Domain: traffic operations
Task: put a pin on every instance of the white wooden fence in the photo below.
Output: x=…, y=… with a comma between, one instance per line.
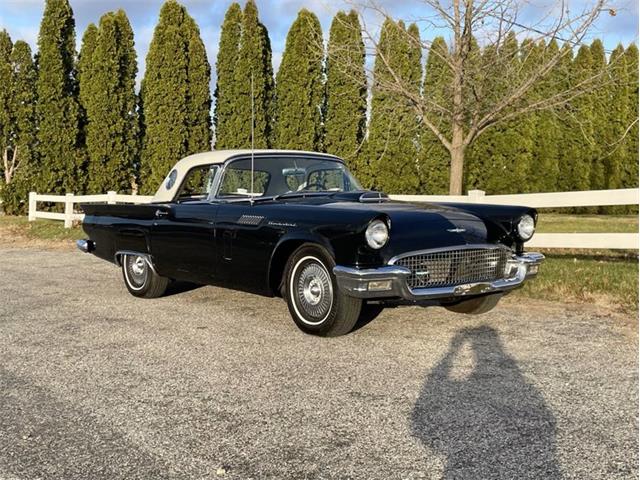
x=629, y=196
x=69, y=215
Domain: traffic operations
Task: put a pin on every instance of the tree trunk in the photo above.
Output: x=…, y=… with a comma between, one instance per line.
x=457, y=161
x=7, y=169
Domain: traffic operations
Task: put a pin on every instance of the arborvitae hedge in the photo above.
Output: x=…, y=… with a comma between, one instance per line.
x=434, y=157
x=391, y=146
x=630, y=168
x=228, y=50
x=346, y=90
x=174, y=96
x=299, y=87
x=547, y=140
x=107, y=87
x=589, y=143
x=62, y=158
x=5, y=90
x=254, y=60
x=22, y=105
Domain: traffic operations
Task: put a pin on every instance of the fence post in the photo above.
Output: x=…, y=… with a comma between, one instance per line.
x=68, y=210
x=32, y=206
x=111, y=197
x=476, y=196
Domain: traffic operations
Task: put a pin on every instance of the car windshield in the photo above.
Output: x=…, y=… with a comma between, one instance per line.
x=273, y=176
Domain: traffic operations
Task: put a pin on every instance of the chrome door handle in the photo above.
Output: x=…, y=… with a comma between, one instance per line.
x=161, y=213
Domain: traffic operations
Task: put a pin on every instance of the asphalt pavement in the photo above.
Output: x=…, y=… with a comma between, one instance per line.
x=211, y=383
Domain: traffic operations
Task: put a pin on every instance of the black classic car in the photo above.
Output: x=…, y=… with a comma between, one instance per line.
x=299, y=225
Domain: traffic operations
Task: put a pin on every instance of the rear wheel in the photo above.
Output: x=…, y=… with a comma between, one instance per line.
x=141, y=280
x=314, y=300
x=477, y=305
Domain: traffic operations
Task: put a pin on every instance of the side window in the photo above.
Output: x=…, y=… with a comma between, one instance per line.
x=198, y=183
x=237, y=180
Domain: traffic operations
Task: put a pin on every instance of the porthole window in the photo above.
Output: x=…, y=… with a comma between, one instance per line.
x=171, y=179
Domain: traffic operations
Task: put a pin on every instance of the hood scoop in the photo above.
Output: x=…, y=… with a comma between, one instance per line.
x=373, y=197
x=361, y=197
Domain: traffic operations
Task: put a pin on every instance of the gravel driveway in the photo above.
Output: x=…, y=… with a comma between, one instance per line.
x=209, y=383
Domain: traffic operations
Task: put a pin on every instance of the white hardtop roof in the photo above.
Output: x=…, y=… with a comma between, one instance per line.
x=221, y=156
x=215, y=156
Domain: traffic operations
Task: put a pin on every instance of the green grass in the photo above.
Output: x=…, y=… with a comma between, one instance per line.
x=604, y=277
x=560, y=223
x=40, y=229
x=610, y=279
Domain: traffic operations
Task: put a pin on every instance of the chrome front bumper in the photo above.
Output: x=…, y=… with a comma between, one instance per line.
x=372, y=283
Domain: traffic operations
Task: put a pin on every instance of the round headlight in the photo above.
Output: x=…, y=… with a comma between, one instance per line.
x=526, y=227
x=377, y=234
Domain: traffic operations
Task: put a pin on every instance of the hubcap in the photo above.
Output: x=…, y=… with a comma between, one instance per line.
x=137, y=269
x=138, y=266
x=314, y=291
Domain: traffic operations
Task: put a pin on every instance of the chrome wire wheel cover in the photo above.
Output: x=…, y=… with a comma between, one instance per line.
x=136, y=270
x=313, y=290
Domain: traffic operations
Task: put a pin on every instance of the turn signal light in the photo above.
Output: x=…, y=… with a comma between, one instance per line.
x=379, y=285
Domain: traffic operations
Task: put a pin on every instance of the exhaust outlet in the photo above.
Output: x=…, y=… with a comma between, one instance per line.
x=85, y=246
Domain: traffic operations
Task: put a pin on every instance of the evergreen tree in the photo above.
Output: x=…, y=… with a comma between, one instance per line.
x=107, y=91
x=299, y=87
x=578, y=146
x=570, y=145
x=616, y=128
x=503, y=154
x=84, y=62
x=225, y=81
x=346, y=90
x=600, y=106
x=62, y=161
x=629, y=172
x=434, y=157
x=198, y=92
x=391, y=146
x=20, y=152
x=547, y=130
x=254, y=61
x=173, y=95
x=5, y=91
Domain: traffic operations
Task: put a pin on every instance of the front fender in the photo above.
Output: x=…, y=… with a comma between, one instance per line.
x=285, y=246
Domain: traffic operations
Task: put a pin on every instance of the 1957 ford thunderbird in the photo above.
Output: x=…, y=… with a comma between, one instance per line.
x=303, y=228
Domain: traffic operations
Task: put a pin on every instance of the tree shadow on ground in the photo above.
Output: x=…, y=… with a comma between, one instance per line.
x=479, y=411
x=44, y=437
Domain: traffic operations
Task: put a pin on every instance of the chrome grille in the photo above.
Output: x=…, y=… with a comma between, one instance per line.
x=454, y=267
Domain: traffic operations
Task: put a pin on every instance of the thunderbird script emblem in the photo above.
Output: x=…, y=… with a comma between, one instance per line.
x=456, y=230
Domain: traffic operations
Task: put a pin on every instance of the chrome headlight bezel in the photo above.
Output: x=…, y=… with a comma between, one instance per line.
x=377, y=234
x=526, y=227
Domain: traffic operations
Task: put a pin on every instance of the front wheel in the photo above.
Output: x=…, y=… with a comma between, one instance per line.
x=477, y=305
x=314, y=300
x=141, y=280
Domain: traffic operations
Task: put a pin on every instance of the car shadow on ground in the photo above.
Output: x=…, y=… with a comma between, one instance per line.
x=478, y=410
x=176, y=287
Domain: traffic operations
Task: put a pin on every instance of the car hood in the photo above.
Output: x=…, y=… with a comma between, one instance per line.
x=424, y=225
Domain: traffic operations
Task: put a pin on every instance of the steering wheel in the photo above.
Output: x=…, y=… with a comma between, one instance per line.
x=318, y=185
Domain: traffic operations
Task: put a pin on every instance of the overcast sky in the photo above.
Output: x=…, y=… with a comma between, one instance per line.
x=21, y=18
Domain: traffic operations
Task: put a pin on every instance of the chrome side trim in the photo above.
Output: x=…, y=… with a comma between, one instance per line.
x=355, y=282
x=146, y=256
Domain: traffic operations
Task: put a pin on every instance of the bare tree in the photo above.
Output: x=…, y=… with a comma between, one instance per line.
x=485, y=90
